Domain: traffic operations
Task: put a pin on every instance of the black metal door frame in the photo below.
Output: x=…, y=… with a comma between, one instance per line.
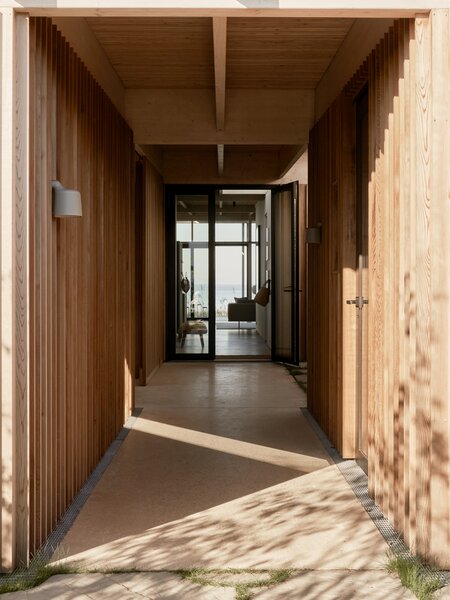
x=171, y=191
x=293, y=189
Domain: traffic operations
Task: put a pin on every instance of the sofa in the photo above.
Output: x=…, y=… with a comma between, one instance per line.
x=242, y=310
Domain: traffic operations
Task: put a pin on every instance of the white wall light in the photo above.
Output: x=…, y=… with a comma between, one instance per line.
x=66, y=203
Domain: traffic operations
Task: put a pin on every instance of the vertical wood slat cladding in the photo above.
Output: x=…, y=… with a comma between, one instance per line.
x=409, y=230
x=154, y=275
x=81, y=278
x=331, y=275
x=409, y=281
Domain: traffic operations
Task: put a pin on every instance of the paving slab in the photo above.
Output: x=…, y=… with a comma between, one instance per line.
x=308, y=585
x=338, y=585
x=126, y=586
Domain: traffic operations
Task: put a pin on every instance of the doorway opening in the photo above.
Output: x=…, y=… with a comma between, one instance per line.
x=242, y=266
x=222, y=245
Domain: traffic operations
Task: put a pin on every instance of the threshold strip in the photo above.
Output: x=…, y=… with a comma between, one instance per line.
x=359, y=482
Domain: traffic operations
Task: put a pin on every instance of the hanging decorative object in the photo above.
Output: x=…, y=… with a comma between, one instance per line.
x=185, y=285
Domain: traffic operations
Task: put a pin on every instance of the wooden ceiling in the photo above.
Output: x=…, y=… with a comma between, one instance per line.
x=177, y=53
x=158, y=53
x=281, y=53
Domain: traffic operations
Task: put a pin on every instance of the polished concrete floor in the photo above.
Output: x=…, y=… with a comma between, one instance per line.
x=222, y=470
x=229, y=342
x=240, y=342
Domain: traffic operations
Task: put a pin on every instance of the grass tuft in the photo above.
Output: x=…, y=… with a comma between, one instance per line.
x=243, y=592
x=26, y=578
x=217, y=578
x=420, y=579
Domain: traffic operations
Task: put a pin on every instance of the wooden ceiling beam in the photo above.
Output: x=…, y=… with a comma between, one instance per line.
x=220, y=62
x=220, y=158
x=266, y=117
x=288, y=156
x=226, y=8
x=199, y=165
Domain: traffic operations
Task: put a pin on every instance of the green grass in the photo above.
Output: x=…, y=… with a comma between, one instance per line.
x=420, y=579
x=215, y=578
x=24, y=579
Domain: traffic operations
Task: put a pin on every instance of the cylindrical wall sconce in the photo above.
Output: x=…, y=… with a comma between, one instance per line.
x=66, y=203
x=314, y=234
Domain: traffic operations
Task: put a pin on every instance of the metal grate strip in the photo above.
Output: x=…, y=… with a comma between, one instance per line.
x=359, y=483
x=67, y=520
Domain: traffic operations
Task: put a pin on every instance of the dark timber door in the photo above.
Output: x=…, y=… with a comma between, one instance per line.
x=284, y=269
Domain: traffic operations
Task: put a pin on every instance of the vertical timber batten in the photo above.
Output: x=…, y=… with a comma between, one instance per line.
x=14, y=289
x=81, y=277
x=409, y=282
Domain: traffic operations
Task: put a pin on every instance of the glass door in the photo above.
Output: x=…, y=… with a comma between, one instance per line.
x=285, y=292
x=240, y=321
x=194, y=320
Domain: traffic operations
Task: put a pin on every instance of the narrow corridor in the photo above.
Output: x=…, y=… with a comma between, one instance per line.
x=221, y=469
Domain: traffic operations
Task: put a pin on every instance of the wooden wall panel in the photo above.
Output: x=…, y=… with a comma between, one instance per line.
x=409, y=281
x=81, y=278
x=154, y=277
x=331, y=275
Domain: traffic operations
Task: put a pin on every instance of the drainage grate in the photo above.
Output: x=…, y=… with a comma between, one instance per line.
x=67, y=520
x=359, y=483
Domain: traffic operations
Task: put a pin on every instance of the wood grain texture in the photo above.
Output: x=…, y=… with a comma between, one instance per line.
x=409, y=296
x=281, y=53
x=176, y=53
x=220, y=65
x=331, y=324
x=21, y=299
x=154, y=302
x=7, y=243
x=158, y=53
x=81, y=278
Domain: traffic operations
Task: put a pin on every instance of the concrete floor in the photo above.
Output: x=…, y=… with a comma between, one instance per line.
x=222, y=470
x=229, y=342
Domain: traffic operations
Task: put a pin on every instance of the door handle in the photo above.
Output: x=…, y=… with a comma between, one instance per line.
x=359, y=302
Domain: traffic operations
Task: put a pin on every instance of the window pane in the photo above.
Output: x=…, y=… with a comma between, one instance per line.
x=192, y=264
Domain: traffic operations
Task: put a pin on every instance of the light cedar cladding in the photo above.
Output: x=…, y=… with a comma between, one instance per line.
x=409, y=279
x=154, y=278
x=409, y=302
x=81, y=277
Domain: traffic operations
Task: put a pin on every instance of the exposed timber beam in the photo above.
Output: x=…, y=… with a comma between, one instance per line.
x=226, y=8
x=249, y=166
x=220, y=158
x=220, y=61
x=154, y=154
x=281, y=117
x=288, y=156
